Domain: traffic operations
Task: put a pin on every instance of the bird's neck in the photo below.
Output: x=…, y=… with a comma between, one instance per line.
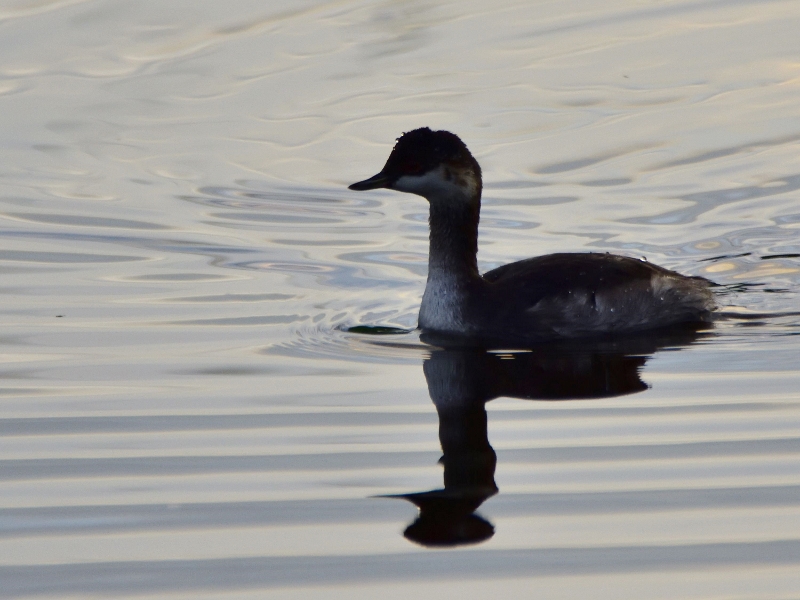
x=454, y=238
x=452, y=264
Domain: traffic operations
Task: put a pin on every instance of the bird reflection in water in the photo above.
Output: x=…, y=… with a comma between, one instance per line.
x=462, y=380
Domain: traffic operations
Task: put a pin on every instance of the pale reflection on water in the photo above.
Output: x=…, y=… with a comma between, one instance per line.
x=194, y=397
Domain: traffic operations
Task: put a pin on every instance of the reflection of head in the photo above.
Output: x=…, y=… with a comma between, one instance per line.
x=447, y=517
x=443, y=530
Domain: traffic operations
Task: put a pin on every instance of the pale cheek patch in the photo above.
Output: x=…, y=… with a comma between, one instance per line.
x=442, y=182
x=468, y=181
x=463, y=179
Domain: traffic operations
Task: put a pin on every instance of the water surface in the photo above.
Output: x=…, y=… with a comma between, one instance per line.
x=183, y=411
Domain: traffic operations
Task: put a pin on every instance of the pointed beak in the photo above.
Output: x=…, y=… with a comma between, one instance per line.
x=373, y=183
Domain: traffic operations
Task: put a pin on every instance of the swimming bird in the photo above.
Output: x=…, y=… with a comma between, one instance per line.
x=564, y=295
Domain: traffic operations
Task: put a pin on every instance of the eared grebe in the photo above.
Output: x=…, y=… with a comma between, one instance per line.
x=553, y=296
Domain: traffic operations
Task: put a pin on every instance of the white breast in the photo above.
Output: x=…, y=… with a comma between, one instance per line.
x=442, y=306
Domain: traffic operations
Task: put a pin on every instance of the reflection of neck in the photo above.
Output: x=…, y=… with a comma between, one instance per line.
x=468, y=458
x=454, y=237
x=456, y=386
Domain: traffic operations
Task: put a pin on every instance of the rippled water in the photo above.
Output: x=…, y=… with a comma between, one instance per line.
x=190, y=405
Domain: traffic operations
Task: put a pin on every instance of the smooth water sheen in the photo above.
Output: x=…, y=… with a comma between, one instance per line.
x=195, y=398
